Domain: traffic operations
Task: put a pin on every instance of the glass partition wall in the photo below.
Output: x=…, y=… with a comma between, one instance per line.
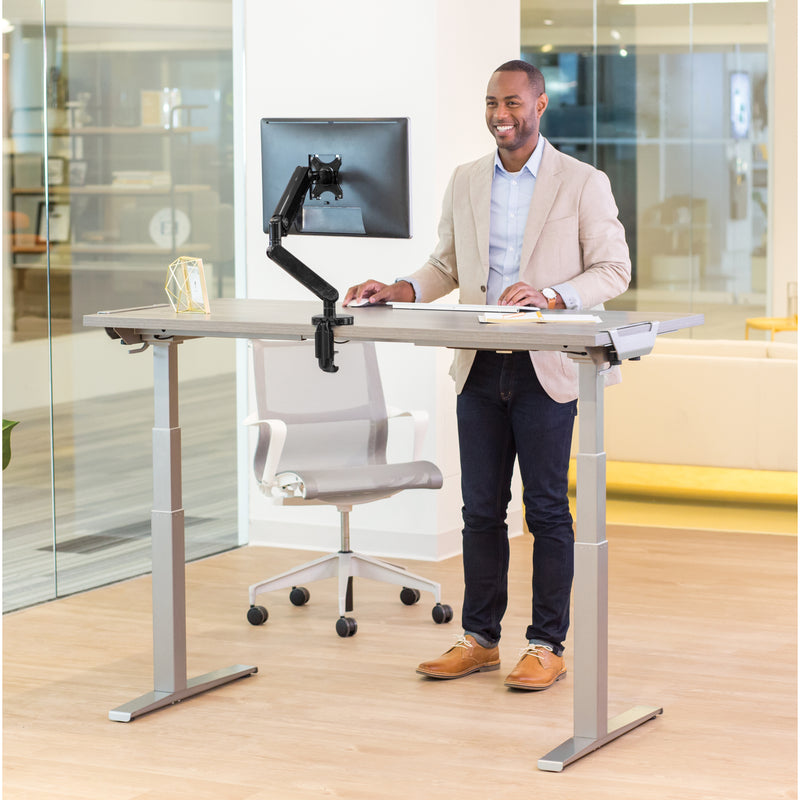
x=670, y=100
x=117, y=159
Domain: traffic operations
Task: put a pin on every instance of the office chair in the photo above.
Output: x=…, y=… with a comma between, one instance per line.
x=322, y=440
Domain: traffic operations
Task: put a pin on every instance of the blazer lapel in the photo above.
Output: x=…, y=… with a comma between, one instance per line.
x=544, y=193
x=480, y=195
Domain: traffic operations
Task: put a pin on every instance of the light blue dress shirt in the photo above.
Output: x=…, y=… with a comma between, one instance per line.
x=512, y=193
x=511, y=197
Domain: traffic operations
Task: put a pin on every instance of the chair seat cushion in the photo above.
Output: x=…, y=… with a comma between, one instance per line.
x=360, y=484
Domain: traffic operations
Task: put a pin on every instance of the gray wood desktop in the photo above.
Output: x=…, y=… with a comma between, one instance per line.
x=620, y=336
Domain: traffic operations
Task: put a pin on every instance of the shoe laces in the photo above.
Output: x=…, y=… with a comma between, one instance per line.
x=463, y=642
x=535, y=650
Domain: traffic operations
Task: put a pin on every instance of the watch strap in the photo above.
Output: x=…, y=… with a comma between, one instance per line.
x=551, y=296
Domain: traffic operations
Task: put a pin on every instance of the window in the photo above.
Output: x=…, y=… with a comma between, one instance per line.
x=672, y=105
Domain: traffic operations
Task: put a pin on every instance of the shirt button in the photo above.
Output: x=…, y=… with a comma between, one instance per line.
x=483, y=288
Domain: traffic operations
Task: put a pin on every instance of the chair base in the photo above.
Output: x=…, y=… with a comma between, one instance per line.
x=345, y=565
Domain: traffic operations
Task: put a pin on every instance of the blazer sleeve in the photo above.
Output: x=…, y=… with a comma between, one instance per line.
x=604, y=251
x=439, y=275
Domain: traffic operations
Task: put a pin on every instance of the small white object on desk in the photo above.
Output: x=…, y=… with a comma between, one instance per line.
x=505, y=310
x=538, y=317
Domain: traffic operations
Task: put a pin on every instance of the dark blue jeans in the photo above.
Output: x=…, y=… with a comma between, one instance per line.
x=504, y=413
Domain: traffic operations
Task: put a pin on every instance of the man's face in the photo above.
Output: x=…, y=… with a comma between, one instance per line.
x=513, y=111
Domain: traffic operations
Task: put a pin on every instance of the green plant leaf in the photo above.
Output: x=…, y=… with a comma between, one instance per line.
x=7, y=427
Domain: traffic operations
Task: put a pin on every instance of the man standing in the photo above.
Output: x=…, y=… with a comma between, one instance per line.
x=525, y=225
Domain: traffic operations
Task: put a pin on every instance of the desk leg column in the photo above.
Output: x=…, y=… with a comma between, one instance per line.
x=592, y=728
x=590, y=662
x=167, y=525
x=169, y=557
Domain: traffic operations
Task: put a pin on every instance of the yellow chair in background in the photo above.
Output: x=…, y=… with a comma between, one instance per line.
x=772, y=324
x=776, y=324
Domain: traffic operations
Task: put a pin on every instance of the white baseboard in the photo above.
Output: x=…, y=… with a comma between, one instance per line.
x=383, y=544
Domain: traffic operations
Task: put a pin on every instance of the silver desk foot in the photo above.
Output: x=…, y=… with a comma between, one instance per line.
x=155, y=700
x=579, y=746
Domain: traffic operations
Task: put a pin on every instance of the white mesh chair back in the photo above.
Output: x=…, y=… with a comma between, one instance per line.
x=336, y=419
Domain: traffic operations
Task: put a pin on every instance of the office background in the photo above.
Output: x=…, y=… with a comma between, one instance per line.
x=152, y=151
x=693, y=612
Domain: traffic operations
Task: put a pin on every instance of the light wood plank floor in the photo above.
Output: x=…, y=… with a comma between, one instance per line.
x=704, y=624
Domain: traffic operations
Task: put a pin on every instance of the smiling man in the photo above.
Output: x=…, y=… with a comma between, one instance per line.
x=524, y=225
x=515, y=102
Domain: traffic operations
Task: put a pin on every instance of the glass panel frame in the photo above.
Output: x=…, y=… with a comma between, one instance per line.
x=29, y=563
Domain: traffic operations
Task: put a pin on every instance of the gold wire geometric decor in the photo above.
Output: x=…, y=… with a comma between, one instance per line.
x=186, y=286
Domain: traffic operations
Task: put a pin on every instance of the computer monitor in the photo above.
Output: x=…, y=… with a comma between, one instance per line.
x=337, y=177
x=373, y=175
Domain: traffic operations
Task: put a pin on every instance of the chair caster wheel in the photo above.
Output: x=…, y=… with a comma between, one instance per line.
x=346, y=626
x=442, y=613
x=257, y=615
x=409, y=596
x=299, y=595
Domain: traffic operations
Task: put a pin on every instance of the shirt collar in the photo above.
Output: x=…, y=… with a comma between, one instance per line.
x=532, y=164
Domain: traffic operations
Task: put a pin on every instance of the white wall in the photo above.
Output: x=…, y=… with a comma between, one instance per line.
x=783, y=124
x=429, y=60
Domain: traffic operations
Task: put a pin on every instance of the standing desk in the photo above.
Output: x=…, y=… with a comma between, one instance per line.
x=620, y=336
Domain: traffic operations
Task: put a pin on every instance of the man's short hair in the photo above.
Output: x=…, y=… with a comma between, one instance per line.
x=534, y=75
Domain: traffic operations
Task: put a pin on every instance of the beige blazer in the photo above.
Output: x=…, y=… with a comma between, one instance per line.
x=572, y=234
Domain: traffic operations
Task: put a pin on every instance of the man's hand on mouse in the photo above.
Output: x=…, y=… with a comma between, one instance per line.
x=376, y=292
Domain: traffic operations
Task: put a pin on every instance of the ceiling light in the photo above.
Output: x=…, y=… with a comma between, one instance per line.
x=547, y=22
x=682, y=2
x=7, y=27
x=546, y=48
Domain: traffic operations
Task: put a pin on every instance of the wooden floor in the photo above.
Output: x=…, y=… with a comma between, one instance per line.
x=701, y=623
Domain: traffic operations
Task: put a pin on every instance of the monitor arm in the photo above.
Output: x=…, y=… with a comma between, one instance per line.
x=317, y=177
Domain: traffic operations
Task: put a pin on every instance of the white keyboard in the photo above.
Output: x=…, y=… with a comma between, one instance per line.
x=463, y=307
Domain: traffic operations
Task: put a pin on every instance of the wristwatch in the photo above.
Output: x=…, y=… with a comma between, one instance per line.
x=551, y=296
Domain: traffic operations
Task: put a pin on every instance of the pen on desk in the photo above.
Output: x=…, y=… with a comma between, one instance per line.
x=520, y=316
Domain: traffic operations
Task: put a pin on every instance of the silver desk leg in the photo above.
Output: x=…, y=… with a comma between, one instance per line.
x=169, y=579
x=592, y=727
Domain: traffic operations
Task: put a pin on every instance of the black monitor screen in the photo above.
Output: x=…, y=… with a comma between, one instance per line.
x=373, y=175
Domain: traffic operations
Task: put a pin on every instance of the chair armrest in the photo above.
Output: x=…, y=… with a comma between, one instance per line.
x=420, y=419
x=277, y=437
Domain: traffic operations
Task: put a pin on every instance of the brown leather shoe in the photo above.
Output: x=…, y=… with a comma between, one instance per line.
x=538, y=668
x=463, y=658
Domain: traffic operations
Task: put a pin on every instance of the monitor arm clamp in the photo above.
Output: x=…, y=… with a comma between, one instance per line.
x=316, y=178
